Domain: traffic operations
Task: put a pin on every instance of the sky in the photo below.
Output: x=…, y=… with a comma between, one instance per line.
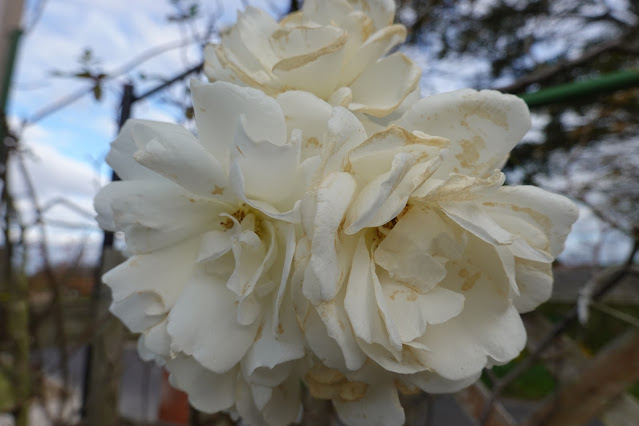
x=65, y=150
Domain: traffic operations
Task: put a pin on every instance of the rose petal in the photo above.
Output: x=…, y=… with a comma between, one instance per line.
x=139, y=311
x=288, y=231
x=173, y=152
x=460, y=187
x=203, y=324
x=269, y=170
x=246, y=406
x=298, y=46
x=253, y=257
x=155, y=342
x=415, y=250
x=489, y=328
x=146, y=212
x=371, y=50
x=332, y=199
x=284, y=407
x=208, y=392
x=434, y=383
x=309, y=113
x=379, y=407
x=376, y=153
x=474, y=218
x=382, y=12
x=362, y=304
x=120, y=156
x=214, y=69
x=325, y=12
x=254, y=26
x=533, y=213
x=218, y=107
x=534, y=280
x=482, y=126
x=411, y=310
x=345, y=132
x=373, y=97
x=271, y=349
x=317, y=76
x=163, y=273
x=328, y=336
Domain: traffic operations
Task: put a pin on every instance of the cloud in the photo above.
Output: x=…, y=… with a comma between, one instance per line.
x=64, y=189
x=592, y=242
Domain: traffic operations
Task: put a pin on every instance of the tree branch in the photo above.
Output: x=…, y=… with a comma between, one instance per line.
x=545, y=74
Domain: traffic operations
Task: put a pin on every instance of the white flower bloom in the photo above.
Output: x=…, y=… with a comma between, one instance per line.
x=211, y=222
x=334, y=49
x=416, y=261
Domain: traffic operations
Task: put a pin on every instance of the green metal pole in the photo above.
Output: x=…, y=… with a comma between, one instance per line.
x=18, y=306
x=606, y=83
x=14, y=38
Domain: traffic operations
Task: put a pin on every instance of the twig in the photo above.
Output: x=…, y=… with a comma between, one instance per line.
x=48, y=270
x=68, y=204
x=622, y=316
x=551, y=71
x=128, y=66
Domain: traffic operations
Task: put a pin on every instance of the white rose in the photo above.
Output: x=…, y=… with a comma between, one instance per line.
x=211, y=223
x=416, y=261
x=334, y=49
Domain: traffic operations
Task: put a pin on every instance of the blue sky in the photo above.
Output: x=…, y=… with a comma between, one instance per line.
x=67, y=148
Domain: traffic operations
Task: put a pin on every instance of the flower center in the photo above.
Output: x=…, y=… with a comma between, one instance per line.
x=244, y=215
x=382, y=231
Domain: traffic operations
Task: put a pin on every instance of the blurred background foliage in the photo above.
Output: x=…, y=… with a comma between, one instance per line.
x=586, y=147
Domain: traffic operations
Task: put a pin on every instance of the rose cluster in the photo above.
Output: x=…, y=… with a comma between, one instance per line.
x=327, y=228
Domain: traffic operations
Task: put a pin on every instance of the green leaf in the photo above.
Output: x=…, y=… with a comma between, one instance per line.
x=83, y=74
x=97, y=92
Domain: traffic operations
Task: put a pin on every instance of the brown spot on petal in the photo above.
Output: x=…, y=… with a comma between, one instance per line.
x=258, y=335
x=469, y=280
x=541, y=219
x=217, y=190
x=394, y=294
x=327, y=383
x=312, y=142
x=352, y=391
x=480, y=110
x=322, y=374
x=320, y=390
x=470, y=151
x=280, y=329
x=405, y=388
x=341, y=325
x=411, y=355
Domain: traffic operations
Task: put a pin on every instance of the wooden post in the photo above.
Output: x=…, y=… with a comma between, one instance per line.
x=104, y=355
x=611, y=372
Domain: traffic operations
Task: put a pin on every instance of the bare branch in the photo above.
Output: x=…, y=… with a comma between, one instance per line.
x=549, y=72
x=128, y=66
x=48, y=269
